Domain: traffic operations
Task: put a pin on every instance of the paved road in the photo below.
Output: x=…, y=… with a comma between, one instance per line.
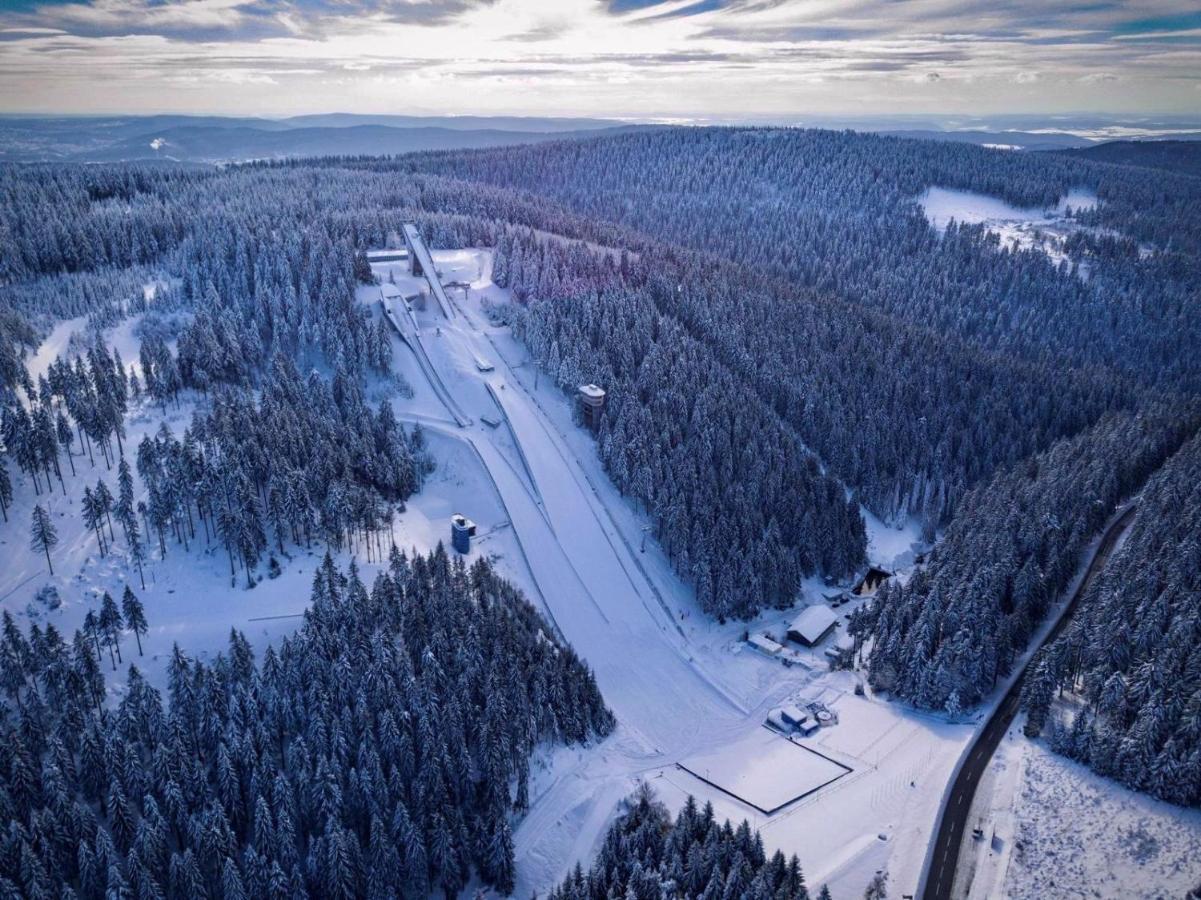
x=953, y=823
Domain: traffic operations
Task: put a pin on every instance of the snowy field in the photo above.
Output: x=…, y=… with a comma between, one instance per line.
x=1080, y=835
x=765, y=769
x=1017, y=227
x=1053, y=828
x=941, y=205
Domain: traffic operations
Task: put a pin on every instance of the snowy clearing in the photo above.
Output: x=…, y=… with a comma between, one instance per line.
x=1080, y=835
x=766, y=769
x=1018, y=227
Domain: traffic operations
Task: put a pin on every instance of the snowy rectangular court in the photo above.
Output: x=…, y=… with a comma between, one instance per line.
x=765, y=770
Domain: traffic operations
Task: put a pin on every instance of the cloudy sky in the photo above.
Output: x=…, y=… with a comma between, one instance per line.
x=686, y=59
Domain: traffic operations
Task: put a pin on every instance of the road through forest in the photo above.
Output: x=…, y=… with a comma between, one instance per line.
x=952, y=825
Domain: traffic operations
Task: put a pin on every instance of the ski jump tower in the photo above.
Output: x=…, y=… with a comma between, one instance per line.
x=421, y=264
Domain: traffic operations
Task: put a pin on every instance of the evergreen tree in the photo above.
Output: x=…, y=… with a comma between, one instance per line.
x=110, y=624
x=43, y=536
x=135, y=615
x=6, y=490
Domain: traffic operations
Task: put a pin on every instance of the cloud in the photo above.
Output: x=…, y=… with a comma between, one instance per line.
x=656, y=58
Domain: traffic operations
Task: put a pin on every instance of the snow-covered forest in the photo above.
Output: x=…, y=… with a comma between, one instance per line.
x=944, y=639
x=796, y=363
x=741, y=505
x=836, y=211
x=1130, y=662
x=646, y=855
x=377, y=753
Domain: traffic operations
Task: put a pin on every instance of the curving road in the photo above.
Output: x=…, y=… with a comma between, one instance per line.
x=953, y=820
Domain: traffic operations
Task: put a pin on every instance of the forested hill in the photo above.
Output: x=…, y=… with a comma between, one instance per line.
x=1131, y=660
x=646, y=854
x=836, y=211
x=1183, y=157
x=945, y=639
x=379, y=752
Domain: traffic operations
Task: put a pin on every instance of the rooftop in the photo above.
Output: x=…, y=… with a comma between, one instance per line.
x=813, y=621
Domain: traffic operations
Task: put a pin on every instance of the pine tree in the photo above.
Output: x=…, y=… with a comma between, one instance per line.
x=135, y=615
x=124, y=508
x=110, y=623
x=6, y=490
x=43, y=535
x=93, y=518
x=877, y=889
x=104, y=505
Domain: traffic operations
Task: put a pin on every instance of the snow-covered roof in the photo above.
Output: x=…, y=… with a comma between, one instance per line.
x=764, y=643
x=592, y=391
x=813, y=622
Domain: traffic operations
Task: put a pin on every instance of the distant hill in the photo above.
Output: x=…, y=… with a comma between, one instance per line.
x=1182, y=156
x=223, y=138
x=1008, y=140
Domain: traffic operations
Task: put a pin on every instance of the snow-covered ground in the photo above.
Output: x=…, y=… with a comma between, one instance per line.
x=1017, y=227
x=1055, y=829
x=189, y=596
x=766, y=769
x=891, y=547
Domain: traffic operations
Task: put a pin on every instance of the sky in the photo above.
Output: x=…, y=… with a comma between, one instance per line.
x=666, y=60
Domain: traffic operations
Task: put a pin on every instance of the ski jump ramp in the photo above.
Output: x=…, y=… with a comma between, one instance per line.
x=422, y=263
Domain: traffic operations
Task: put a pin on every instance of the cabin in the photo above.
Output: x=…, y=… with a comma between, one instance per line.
x=799, y=719
x=776, y=720
x=870, y=582
x=813, y=625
